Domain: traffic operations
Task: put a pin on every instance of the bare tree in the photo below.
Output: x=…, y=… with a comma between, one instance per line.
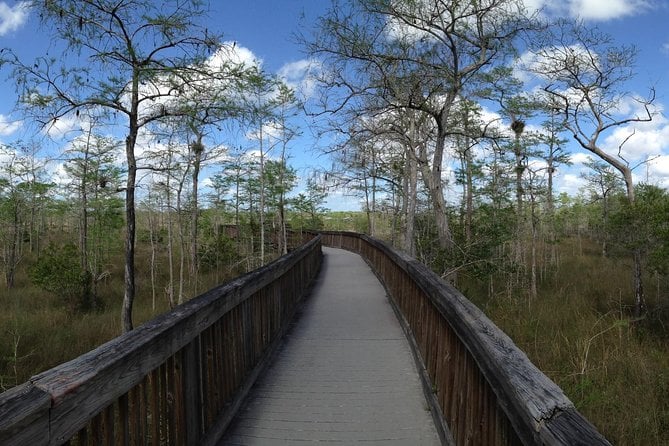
x=420, y=55
x=585, y=77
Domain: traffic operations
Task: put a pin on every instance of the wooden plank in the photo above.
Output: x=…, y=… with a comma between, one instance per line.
x=24, y=416
x=192, y=392
x=154, y=398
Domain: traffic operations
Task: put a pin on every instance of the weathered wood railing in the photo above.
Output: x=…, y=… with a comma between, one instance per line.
x=175, y=380
x=483, y=389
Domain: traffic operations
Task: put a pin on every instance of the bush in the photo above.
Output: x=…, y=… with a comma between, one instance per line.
x=59, y=271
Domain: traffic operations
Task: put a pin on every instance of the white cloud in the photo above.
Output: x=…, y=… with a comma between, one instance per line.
x=639, y=140
x=595, y=10
x=658, y=171
x=301, y=76
x=581, y=158
x=58, y=174
x=12, y=17
x=659, y=166
x=570, y=183
x=606, y=9
x=203, y=88
x=232, y=52
x=62, y=126
x=7, y=127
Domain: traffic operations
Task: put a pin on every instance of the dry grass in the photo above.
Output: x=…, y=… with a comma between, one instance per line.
x=579, y=333
x=38, y=332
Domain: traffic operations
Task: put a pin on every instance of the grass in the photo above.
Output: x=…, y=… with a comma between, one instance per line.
x=579, y=332
x=38, y=332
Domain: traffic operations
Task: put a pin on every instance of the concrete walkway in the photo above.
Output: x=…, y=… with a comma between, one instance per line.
x=344, y=374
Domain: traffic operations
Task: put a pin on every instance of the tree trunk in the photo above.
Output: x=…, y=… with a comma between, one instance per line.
x=262, y=200
x=129, y=277
x=198, y=151
x=433, y=183
x=131, y=140
x=183, y=248
x=170, y=244
x=411, y=197
x=519, y=201
x=12, y=253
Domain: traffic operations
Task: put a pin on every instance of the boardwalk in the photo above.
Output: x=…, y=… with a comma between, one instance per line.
x=344, y=374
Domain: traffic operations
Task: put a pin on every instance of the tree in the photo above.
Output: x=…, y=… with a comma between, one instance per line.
x=554, y=155
x=419, y=55
x=22, y=194
x=584, y=77
x=287, y=105
x=136, y=55
x=279, y=180
x=95, y=183
x=308, y=206
x=648, y=218
x=603, y=182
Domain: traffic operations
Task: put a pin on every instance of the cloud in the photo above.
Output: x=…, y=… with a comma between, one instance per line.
x=657, y=171
x=581, y=158
x=601, y=10
x=301, y=76
x=12, y=17
x=570, y=183
x=595, y=10
x=639, y=140
x=231, y=52
x=62, y=126
x=7, y=127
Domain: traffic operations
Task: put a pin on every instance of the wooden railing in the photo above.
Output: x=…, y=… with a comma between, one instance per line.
x=175, y=380
x=483, y=389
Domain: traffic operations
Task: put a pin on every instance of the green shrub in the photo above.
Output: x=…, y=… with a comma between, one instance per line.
x=58, y=271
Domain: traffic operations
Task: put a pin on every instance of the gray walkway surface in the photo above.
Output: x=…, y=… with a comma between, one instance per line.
x=344, y=374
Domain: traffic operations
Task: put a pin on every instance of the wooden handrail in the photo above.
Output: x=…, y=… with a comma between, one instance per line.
x=177, y=379
x=483, y=389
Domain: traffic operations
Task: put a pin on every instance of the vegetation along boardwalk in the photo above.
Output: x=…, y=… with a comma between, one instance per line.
x=344, y=373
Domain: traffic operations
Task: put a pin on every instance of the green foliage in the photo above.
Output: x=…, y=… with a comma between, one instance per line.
x=642, y=225
x=307, y=207
x=216, y=252
x=59, y=272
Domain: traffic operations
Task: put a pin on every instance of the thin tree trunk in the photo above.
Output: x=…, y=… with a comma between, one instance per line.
x=262, y=200
x=170, y=244
x=131, y=140
x=198, y=150
x=129, y=277
x=412, y=195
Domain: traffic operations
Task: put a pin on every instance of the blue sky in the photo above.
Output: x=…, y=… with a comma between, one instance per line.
x=263, y=30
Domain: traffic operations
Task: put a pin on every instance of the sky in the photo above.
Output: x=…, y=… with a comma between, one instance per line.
x=264, y=30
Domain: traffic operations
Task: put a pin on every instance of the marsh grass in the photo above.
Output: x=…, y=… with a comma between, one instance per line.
x=37, y=331
x=579, y=331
